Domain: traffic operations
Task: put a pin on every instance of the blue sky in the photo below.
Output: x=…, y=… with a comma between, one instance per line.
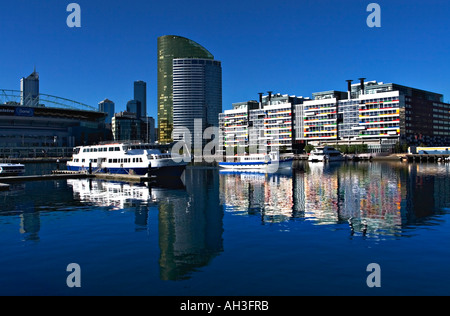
x=295, y=47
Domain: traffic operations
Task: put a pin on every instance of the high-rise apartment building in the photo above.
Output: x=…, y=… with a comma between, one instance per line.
x=172, y=47
x=197, y=97
x=259, y=127
x=375, y=113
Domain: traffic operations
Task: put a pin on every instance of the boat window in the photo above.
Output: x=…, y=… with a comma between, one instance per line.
x=114, y=160
x=111, y=149
x=82, y=160
x=140, y=159
x=116, y=148
x=110, y=160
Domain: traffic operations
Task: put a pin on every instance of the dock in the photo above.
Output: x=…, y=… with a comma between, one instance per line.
x=45, y=177
x=64, y=175
x=426, y=157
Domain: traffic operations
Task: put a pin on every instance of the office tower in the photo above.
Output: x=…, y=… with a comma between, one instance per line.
x=127, y=127
x=171, y=47
x=134, y=106
x=108, y=107
x=140, y=94
x=197, y=95
x=151, y=130
x=29, y=90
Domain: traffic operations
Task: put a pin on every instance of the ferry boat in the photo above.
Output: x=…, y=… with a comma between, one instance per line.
x=259, y=162
x=123, y=158
x=10, y=169
x=326, y=154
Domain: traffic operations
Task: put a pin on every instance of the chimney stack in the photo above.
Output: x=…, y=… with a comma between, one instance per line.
x=260, y=99
x=349, y=88
x=270, y=96
x=361, y=80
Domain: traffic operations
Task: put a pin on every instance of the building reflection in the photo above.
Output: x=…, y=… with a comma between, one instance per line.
x=189, y=219
x=190, y=226
x=267, y=195
x=379, y=198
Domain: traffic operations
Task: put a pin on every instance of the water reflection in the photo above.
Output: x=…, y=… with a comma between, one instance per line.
x=377, y=198
x=267, y=195
x=190, y=220
x=190, y=226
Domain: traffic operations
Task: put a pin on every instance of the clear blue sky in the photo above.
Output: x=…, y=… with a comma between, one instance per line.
x=296, y=47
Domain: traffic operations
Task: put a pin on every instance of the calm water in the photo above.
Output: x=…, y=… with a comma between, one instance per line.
x=310, y=232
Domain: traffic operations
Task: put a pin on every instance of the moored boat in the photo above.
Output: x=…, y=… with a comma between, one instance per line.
x=326, y=154
x=126, y=158
x=10, y=169
x=259, y=162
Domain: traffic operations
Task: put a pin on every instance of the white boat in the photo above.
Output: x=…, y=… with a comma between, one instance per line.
x=126, y=158
x=259, y=162
x=10, y=169
x=326, y=154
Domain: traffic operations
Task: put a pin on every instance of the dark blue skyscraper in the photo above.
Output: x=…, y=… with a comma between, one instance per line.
x=134, y=106
x=140, y=94
x=107, y=106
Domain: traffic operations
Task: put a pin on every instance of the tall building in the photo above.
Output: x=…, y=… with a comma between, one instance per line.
x=197, y=95
x=29, y=90
x=127, y=127
x=376, y=114
x=134, y=106
x=171, y=47
x=151, y=130
x=140, y=94
x=108, y=107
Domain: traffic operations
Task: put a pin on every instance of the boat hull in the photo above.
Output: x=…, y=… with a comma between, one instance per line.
x=165, y=171
x=9, y=170
x=325, y=158
x=258, y=166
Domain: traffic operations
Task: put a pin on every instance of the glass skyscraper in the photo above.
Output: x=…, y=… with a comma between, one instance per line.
x=172, y=47
x=108, y=107
x=140, y=94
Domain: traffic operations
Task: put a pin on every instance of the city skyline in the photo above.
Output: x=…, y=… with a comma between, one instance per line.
x=294, y=47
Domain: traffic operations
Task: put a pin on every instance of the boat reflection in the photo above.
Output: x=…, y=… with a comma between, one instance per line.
x=376, y=198
x=120, y=195
x=190, y=218
x=268, y=195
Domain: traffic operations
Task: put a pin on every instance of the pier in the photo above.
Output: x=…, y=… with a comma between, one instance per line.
x=64, y=174
x=426, y=157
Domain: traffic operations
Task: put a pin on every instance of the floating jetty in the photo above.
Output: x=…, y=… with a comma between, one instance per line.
x=64, y=174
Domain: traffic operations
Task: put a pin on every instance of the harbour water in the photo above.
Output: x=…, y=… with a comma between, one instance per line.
x=313, y=231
